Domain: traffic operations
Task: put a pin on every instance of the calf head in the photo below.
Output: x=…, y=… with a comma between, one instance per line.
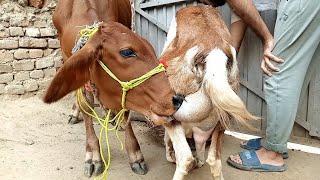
x=128, y=56
x=199, y=55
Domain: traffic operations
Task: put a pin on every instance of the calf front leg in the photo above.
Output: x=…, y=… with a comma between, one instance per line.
x=214, y=155
x=136, y=159
x=93, y=163
x=183, y=154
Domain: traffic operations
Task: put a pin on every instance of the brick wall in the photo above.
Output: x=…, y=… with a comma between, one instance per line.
x=29, y=49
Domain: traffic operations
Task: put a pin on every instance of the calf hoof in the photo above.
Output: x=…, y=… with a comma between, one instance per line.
x=98, y=168
x=95, y=168
x=73, y=119
x=139, y=168
x=88, y=169
x=114, y=123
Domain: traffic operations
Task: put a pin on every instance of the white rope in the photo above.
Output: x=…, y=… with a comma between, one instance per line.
x=294, y=146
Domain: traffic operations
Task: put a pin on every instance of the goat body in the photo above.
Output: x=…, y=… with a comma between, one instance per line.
x=202, y=67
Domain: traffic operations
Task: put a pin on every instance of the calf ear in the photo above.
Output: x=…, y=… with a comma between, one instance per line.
x=73, y=74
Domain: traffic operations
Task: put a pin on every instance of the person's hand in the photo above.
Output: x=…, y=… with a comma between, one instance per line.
x=266, y=65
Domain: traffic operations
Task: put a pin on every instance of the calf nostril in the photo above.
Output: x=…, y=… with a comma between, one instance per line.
x=177, y=101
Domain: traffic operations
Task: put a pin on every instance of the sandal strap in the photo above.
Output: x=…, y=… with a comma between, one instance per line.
x=254, y=143
x=249, y=158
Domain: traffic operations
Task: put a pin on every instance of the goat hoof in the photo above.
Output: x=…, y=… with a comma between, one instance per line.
x=88, y=169
x=73, y=119
x=139, y=168
x=218, y=177
x=199, y=164
x=98, y=168
x=171, y=157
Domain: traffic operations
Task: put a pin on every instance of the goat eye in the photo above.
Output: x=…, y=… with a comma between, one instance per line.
x=127, y=53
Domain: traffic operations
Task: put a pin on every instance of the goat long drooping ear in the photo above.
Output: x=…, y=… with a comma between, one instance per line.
x=72, y=75
x=233, y=76
x=226, y=102
x=234, y=68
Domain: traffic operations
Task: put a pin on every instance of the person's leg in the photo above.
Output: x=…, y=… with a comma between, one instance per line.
x=313, y=67
x=237, y=30
x=297, y=35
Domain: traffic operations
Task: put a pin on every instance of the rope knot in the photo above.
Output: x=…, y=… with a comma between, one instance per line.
x=126, y=86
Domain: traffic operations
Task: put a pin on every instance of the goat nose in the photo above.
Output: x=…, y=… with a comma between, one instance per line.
x=177, y=101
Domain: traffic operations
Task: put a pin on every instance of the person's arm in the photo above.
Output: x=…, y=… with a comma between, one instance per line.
x=247, y=11
x=237, y=30
x=249, y=14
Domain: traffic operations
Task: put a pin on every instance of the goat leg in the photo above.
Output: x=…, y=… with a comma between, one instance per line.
x=214, y=154
x=169, y=148
x=200, y=138
x=183, y=154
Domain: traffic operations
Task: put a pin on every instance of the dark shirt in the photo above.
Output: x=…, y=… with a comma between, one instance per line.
x=214, y=3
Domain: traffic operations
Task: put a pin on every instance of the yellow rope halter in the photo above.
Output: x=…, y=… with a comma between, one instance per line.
x=126, y=86
x=88, y=32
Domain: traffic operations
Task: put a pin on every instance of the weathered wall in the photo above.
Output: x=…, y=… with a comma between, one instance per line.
x=29, y=48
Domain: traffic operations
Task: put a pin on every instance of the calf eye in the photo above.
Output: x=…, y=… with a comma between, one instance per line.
x=127, y=53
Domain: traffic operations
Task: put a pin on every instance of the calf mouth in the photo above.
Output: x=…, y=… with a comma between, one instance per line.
x=160, y=119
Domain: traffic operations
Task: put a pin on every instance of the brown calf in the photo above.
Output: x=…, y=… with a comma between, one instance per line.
x=127, y=55
x=202, y=67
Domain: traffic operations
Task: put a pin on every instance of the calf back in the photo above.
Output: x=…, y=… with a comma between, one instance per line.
x=71, y=16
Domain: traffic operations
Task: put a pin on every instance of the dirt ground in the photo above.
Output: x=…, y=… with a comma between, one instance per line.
x=36, y=143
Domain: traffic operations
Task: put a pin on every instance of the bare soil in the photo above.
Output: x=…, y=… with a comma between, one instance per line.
x=36, y=143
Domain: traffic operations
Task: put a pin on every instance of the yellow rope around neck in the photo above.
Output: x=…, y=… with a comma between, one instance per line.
x=126, y=86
